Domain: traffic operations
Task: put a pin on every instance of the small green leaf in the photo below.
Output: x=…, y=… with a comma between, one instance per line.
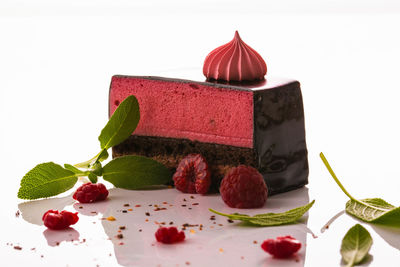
x=97, y=169
x=72, y=169
x=46, y=180
x=121, y=124
x=92, y=177
x=271, y=219
x=371, y=210
x=135, y=172
x=102, y=156
x=355, y=245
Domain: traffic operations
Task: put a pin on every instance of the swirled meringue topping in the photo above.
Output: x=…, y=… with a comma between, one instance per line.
x=234, y=61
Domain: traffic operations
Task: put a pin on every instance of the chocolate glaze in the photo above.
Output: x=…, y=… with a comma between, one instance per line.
x=279, y=151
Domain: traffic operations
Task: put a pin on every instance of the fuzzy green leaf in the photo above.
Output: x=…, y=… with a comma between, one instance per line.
x=121, y=124
x=371, y=210
x=271, y=219
x=135, y=172
x=46, y=180
x=355, y=245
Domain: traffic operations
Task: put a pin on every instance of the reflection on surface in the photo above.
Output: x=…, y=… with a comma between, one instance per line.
x=32, y=211
x=217, y=243
x=55, y=237
x=389, y=234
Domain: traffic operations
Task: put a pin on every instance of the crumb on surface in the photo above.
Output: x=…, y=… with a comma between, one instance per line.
x=111, y=218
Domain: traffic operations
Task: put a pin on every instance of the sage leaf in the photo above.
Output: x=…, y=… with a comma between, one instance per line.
x=92, y=177
x=121, y=124
x=135, y=172
x=355, y=245
x=371, y=210
x=270, y=219
x=46, y=180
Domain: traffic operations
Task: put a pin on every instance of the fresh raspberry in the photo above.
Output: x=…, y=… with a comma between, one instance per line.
x=282, y=247
x=53, y=219
x=192, y=175
x=243, y=187
x=89, y=192
x=169, y=235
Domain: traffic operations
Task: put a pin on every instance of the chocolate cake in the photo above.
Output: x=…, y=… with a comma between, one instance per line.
x=234, y=117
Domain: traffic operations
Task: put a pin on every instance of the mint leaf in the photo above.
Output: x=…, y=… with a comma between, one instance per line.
x=270, y=219
x=72, y=168
x=355, y=245
x=135, y=172
x=121, y=124
x=371, y=210
x=46, y=180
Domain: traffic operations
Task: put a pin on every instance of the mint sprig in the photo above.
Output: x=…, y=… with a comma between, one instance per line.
x=130, y=172
x=355, y=245
x=371, y=210
x=270, y=219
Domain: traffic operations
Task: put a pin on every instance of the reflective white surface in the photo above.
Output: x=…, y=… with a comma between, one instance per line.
x=56, y=61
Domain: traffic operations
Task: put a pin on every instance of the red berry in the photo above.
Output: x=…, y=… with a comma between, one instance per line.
x=282, y=247
x=192, y=175
x=169, y=235
x=89, y=192
x=243, y=187
x=53, y=219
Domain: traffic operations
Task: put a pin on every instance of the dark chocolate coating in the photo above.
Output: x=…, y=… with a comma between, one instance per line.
x=279, y=147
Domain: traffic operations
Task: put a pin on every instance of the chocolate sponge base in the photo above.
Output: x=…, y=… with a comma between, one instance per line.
x=170, y=151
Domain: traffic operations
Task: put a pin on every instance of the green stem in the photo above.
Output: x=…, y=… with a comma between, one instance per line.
x=231, y=216
x=334, y=177
x=86, y=164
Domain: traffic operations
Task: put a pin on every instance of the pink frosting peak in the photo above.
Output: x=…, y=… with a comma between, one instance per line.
x=234, y=61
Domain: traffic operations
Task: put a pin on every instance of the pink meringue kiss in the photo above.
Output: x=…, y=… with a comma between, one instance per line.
x=234, y=61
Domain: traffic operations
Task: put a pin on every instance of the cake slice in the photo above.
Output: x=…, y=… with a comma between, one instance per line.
x=260, y=124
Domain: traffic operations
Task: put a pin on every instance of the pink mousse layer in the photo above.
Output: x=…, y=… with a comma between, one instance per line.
x=178, y=109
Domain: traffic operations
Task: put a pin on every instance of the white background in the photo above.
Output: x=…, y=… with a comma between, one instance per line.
x=57, y=59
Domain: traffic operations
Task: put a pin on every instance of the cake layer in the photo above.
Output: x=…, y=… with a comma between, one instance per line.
x=194, y=111
x=221, y=158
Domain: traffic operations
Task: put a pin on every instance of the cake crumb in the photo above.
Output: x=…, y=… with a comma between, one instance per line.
x=120, y=236
x=192, y=197
x=130, y=209
x=126, y=205
x=230, y=221
x=17, y=213
x=255, y=242
x=147, y=213
x=195, y=204
x=122, y=227
x=187, y=263
x=17, y=248
x=138, y=206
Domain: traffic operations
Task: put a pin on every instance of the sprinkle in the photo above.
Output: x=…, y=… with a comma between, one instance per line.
x=126, y=205
x=147, y=220
x=137, y=206
x=230, y=221
x=120, y=236
x=17, y=247
x=195, y=204
x=122, y=228
x=130, y=209
x=192, y=231
x=183, y=205
x=187, y=263
x=221, y=250
x=110, y=218
x=255, y=242
x=165, y=202
x=124, y=211
x=121, y=243
x=192, y=197
x=17, y=214
x=171, y=223
x=147, y=213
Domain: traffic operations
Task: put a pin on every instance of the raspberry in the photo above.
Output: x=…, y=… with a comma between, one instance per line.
x=53, y=219
x=169, y=235
x=192, y=175
x=89, y=192
x=282, y=247
x=243, y=187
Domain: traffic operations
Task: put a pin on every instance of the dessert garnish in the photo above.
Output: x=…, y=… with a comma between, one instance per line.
x=243, y=187
x=88, y=193
x=169, y=235
x=270, y=219
x=55, y=220
x=355, y=245
x=371, y=210
x=234, y=61
x=282, y=247
x=192, y=175
x=129, y=172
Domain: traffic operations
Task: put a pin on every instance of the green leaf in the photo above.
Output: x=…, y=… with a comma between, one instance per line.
x=121, y=124
x=355, y=245
x=371, y=210
x=92, y=177
x=270, y=219
x=46, y=180
x=135, y=172
x=97, y=169
x=72, y=168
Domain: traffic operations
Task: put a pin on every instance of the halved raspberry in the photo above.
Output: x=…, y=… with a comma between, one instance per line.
x=282, y=247
x=192, y=175
x=89, y=192
x=53, y=219
x=243, y=187
x=169, y=235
